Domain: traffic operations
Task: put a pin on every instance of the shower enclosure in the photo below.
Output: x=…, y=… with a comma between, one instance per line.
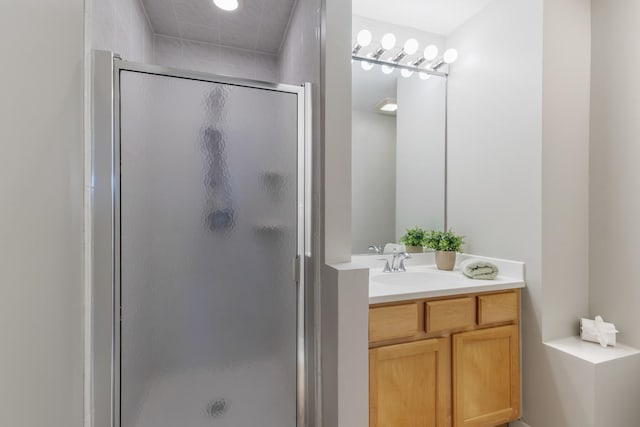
x=199, y=220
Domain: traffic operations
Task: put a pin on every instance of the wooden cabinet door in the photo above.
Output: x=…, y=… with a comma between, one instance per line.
x=486, y=377
x=409, y=384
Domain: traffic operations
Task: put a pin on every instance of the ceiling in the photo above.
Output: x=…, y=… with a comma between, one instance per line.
x=258, y=25
x=435, y=16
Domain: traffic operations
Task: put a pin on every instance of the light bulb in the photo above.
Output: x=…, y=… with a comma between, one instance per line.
x=430, y=52
x=388, y=41
x=364, y=38
x=406, y=73
x=424, y=76
x=387, y=69
x=226, y=4
x=366, y=65
x=411, y=46
x=450, y=56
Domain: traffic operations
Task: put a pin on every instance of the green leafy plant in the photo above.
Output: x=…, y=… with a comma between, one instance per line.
x=414, y=237
x=443, y=241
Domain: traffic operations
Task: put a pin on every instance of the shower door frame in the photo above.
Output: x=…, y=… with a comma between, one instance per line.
x=104, y=324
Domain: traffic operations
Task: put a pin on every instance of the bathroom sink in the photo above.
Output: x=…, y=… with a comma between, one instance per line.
x=423, y=279
x=418, y=278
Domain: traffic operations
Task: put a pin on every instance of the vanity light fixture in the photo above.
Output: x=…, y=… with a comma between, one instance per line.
x=388, y=42
x=410, y=47
x=387, y=69
x=425, y=65
x=406, y=73
x=430, y=52
x=227, y=5
x=362, y=40
x=450, y=56
x=366, y=65
x=387, y=106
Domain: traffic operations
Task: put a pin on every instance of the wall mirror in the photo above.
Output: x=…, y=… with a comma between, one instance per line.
x=398, y=149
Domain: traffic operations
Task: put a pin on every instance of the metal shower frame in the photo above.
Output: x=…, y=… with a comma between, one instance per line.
x=104, y=322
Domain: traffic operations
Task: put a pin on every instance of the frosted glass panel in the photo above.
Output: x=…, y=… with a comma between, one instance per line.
x=208, y=239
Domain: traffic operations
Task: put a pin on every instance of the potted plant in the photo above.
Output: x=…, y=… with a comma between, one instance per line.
x=446, y=244
x=414, y=239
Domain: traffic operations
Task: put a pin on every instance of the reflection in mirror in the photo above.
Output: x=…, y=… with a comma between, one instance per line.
x=398, y=153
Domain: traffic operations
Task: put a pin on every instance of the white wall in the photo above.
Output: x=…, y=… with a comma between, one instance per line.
x=565, y=166
x=41, y=128
x=615, y=200
x=122, y=26
x=373, y=179
x=336, y=136
x=344, y=357
x=214, y=59
x=420, y=155
x=522, y=191
x=494, y=157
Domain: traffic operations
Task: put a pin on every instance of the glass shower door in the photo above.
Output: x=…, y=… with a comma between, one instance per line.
x=208, y=237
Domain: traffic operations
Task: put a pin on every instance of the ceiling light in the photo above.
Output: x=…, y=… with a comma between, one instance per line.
x=450, y=56
x=364, y=38
x=366, y=65
x=387, y=69
x=227, y=4
x=388, y=41
x=430, y=52
x=406, y=73
x=411, y=46
x=387, y=106
x=424, y=76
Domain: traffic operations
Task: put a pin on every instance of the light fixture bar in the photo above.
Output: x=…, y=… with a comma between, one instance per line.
x=418, y=62
x=398, y=56
x=378, y=53
x=376, y=61
x=436, y=64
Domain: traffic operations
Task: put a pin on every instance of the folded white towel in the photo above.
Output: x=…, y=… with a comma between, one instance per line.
x=478, y=269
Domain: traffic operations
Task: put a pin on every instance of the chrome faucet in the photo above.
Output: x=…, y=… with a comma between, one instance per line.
x=397, y=263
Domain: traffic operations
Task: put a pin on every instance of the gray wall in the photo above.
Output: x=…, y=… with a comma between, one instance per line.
x=123, y=27
x=214, y=59
x=41, y=125
x=615, y=174
x=373, y=179
x=565, y=166
x=518, y=176
x=494, y=157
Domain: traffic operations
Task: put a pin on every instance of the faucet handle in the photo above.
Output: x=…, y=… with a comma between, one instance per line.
x=403, y=256
x=387, y=267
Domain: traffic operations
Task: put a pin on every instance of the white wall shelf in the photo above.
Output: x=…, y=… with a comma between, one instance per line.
x=591, y=352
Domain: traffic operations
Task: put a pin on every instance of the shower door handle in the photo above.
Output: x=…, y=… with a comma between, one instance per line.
x=296, y=269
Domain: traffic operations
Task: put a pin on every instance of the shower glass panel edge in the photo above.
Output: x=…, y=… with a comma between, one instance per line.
x=106, y=309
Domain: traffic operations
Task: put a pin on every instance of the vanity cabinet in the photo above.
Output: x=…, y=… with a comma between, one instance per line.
x=409, y=384
x=445, y=362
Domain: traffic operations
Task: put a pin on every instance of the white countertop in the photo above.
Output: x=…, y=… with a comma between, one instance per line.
x=423, y=280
